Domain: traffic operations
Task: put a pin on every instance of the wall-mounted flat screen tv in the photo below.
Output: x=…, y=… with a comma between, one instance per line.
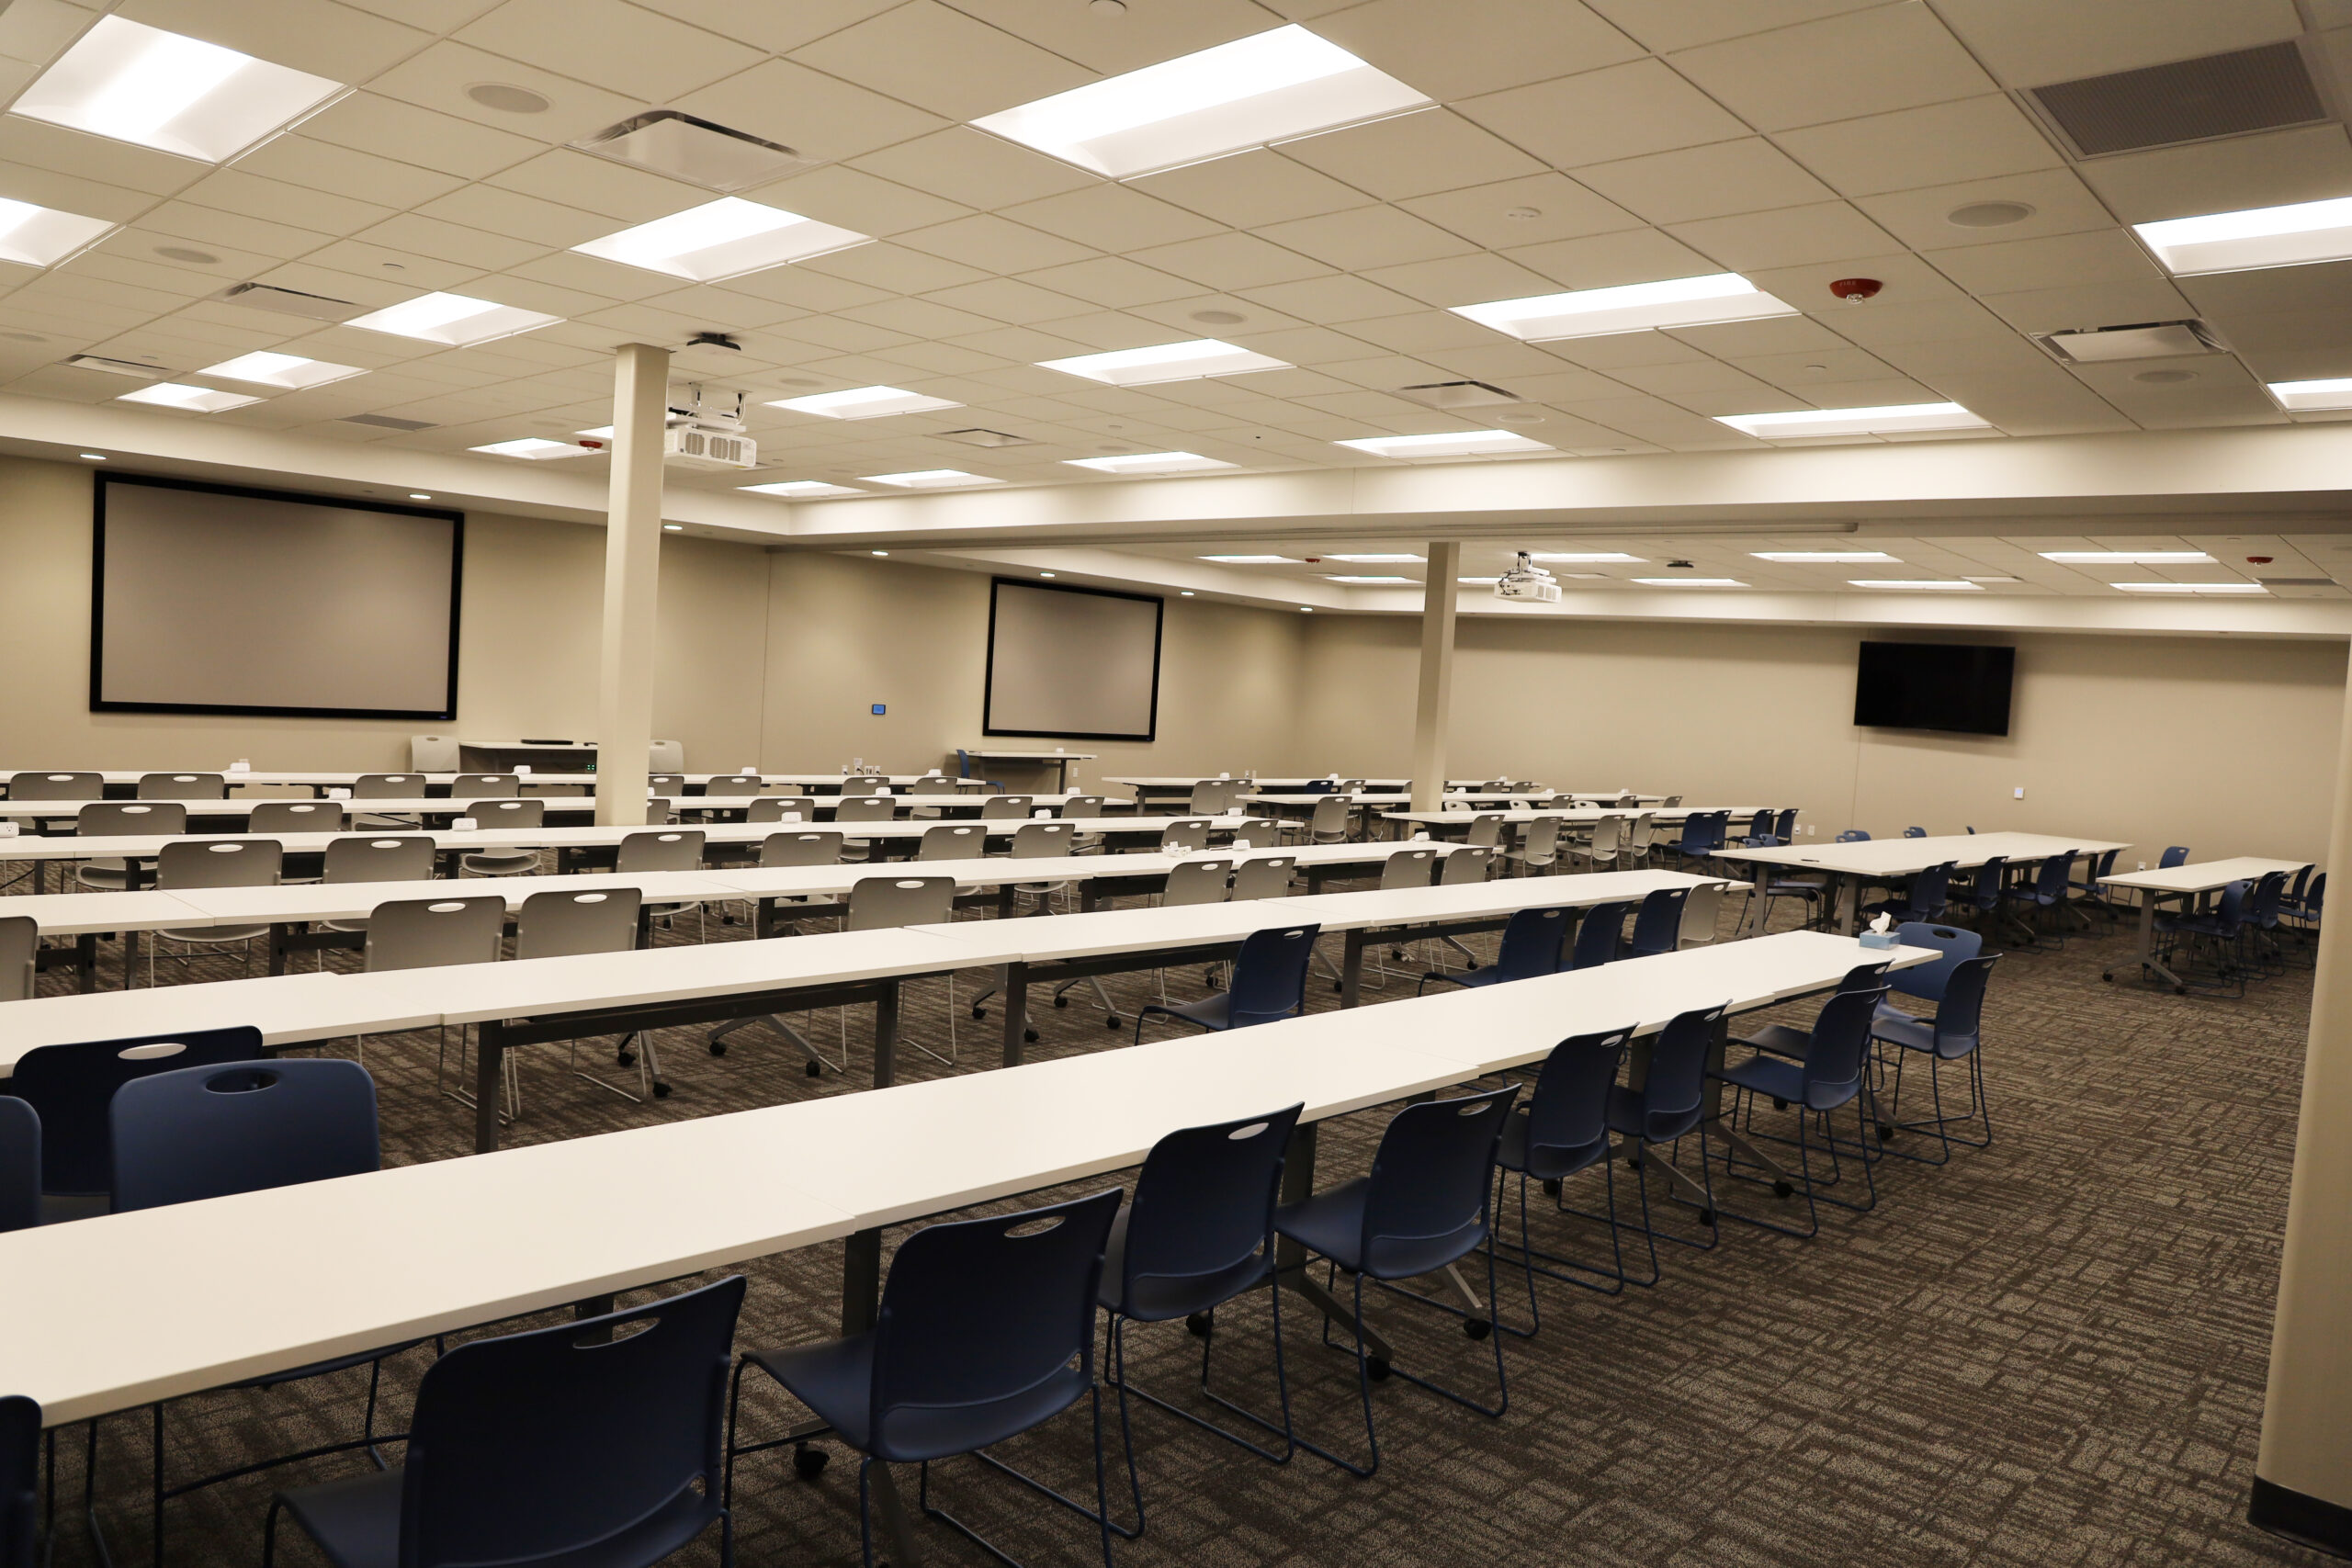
x=1960, y=688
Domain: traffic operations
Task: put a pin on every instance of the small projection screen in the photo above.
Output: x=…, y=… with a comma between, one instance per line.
x=1072, y=663
x=212, y=599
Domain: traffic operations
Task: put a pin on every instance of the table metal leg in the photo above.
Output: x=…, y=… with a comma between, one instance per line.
x=861, y=1307
x=85, y=963
x=886, y=1035
x=1351, y=969
x=1016, y=1002
x=2146, y=957
x=1846, y=891
x=490, y=1065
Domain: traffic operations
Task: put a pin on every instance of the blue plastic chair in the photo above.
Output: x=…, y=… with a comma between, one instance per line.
x=20, y=1205
x=2094, y=895
x=1915, y=832
x=1199, y=1233
x=1701, y=836
x=1598, y=935
x=1426, y=1205
x=1562, y=1129
x=571, y=1446
x=197, y=1132
x=1531, y=946
x=20, y=1481
x=1670, y=1105
x=986, y=1330
x=1924, y=900
x=1787, y=1039
x=1827, y=1079
x=1658, y=925
x=2222, y=928
x=1981, y=894
x=1269, y=983
x=2176, y=856
x=964, y=770
x=1785, y=830
x=1853, y=836
x=72, y=1086
x=1759, y=834
x=1953, y=1032
x=2046, y=893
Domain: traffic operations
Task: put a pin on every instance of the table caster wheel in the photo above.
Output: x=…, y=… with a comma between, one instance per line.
x=1887, y=1134
x=814, y=1069
x=2108, y=976
x=626, y=1058
x=1199, y=1323
x=661, y=1092
x=1551, y=1189
x=1112, y=1021
x=1707, y=1218
x=1338, y=986
x=1778, y=1104
x=1030, y=1036
x=1476, y=1327
x=2180, y=990
x=718, y=1047
x=1782, y=1189
x=979, y=1011
x=1378, y=1367
x=1061, y=1001
x=809, y=1463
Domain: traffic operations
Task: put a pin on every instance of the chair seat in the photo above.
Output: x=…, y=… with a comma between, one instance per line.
x=1160, y=1297
x=835, y=1379
x=1779, y=1040
x=1767, y=1074
x=1911, y=1032
x=1214, y=1011
x=1487, y=976
x=485, y=862
x=1549, y=1163
x=1331, y=1223
x=214, y=935
x=105, y=878
x=357, y=1523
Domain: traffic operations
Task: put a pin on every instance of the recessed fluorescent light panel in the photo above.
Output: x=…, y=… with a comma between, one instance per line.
x=2129, y=557
x=1587, y=556
x=454, y=320
x=1688, y=582
x=863, y=402
x=1165, y=362
x=1448, y=444
x=1150, y=463
x=1898, y=419
x=1328, y=577
x=2190, y=587
x=800, y=490
x=1374, y=561
x=931, y=478
x=1917, y=584
x=2258, y=237
x=138, y=83
x=722, y=238
x=1254, y=560
x=1821, y=558
x=1269, y=87
x=1477, y=582
x=288, y=372
x=194, y=400
x=1633, y=308
x=536, y=448
x=40, y=236
x=2330, y=394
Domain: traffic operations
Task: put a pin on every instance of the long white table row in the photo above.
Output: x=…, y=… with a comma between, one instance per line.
x=1845, y=869
x=2186, y=884
x=331, y=778
x=446, y=805
x=270, y=1281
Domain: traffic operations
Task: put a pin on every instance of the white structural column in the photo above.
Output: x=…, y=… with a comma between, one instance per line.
x=632, y=585
x=2302, y=1483
x=1435, y=712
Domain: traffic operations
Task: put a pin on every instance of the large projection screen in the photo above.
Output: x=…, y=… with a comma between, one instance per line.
x=1072, y=663
x=212, y=599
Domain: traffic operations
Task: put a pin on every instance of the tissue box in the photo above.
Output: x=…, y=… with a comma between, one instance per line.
x=1878, y=938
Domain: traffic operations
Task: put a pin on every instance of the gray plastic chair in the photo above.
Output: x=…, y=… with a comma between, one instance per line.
x=1045, y=839
x=183, y=786
x=19, y=954
x=819, y=846
x=1083, y=805
x=676, y=783
x=1197, y=882
x=999, y=807
x=1469, y=863
x=1186, y=836
x=429, y=933
x=953, y=840
x=1256, y=832
x=1410, y=868
x=214, y=862
x=1607, y=843
x=1539, y=846
x=1332, y=822
x=1637, y=845
x=863, y=784
x=879, y=903
x=1699, y=914
x=37, y=786
x=378, y=857
x=507, y=814
x=776, y=807
x=1263, y=877
x=558, y=924
x=297, y=816
x=664, y=848
x=116, y=819
x=1486, y=831
x=387, y=786
x=866, y=808
x=473, y=786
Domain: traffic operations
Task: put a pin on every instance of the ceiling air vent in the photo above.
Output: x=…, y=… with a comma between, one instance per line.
x=387, y=421
x=1458, y=394
x=2189, y=100
x=115, y=366
x=288, y=301
x=685, y=148
x=976, y=437
x=2141, y=340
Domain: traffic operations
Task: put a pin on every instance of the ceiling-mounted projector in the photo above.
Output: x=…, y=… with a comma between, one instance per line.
x=1527, y=583
x=697, y=435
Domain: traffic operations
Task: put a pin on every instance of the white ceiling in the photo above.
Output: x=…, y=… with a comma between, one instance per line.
x=1795, y=141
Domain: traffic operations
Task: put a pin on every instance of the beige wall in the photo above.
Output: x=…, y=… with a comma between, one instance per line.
x=2226, y=745
x=527, y=649
x=846, y=633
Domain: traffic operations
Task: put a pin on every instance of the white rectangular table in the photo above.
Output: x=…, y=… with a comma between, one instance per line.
x=1846, y=867
x=2186, y=884
x=1056, y=759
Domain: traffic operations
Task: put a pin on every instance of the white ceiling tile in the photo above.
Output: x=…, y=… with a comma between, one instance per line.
x=1461, y=280
x=1623, y=111
x=1413, y=154
x=1881, y=324
x=2104, y=255
x=852, y=199
x=1790, y=236
x=2076, y=307
x=620, y=47
x=1112, y=280
x=817, y=114
x=1456, y=52
x=921, y=319
x=1365, y=237
x=1891, y=57
x=409, y=233
x=234, y=190
x=72, y=193
x=1624, y=350
x=1796, y=336
x=939, y=59
x=390, y=128
x=1713, y=181
x=2319, y=293
x=2310, y=163
x=1110, y=217
x=994, y=244
x=40, y=30
x=438, y=78
x=1667, y=24
x=518, y=217
x=1937, y=144
x=591, y=274
x=1816, y=368
x=779, y=29
x=888, y=266
x=1008, y=300
x=1231, y=261
x=323, y=166
x=1251, y=188
x=808, y=290
x=1523, y=211
x=317, y=35
x=1301, y=345
x=974, y=168
x=2027, y=43
x=1907, y=281
x=1329, y=299
x=1142, y=35
x=1604, y=261
x=1108, y=330
x=1921, y=219
x=1423, y=332
x=118, y=164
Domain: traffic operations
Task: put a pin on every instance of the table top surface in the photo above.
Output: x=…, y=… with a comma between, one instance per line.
x=1570, y=813
x=2203, y=876
x=1901, y=857
x=1056, y=755
x=346, y=776
x=1385, y=798
x=270, y=1281
x=240, y=806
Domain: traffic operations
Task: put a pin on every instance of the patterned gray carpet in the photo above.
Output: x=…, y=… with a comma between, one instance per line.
x=2048, y=1352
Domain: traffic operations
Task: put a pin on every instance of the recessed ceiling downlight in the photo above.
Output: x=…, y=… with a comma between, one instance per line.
x=1989, y=214
x=507, y=98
